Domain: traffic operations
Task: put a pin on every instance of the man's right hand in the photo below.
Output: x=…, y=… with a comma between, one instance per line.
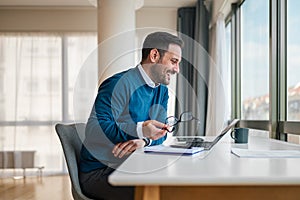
x=154, y=129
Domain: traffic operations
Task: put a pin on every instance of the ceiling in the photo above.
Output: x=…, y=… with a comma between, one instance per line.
x=87, y=3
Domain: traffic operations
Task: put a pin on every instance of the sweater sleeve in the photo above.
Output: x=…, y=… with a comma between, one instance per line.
x=108, y=113
x=121, y=103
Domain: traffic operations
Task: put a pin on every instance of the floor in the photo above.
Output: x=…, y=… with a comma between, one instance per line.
x=34, y=188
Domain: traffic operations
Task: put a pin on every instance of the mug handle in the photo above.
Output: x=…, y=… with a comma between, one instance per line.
x=231, y=134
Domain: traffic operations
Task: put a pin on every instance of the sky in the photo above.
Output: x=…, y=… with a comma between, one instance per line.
x=255, y=46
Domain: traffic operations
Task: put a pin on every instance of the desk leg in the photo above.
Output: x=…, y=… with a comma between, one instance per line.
x=147, y=192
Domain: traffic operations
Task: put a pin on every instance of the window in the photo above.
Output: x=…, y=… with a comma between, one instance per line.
x=265, y=45
x=34, y=67
x=255, y=60
x=293, y=60
x=228, y=56
x=78, y=49
x=28, y=74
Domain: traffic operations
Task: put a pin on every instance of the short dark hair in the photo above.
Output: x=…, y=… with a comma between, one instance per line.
x=159, y=41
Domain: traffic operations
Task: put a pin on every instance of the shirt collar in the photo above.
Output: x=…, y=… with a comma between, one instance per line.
x=146, y=78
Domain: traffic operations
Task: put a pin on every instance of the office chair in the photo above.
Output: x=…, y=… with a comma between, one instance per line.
x=71, y=137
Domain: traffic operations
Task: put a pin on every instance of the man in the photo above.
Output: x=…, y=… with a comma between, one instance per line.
x=128, y=113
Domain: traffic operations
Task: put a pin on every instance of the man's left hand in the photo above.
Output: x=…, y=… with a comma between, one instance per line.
x=125, y=148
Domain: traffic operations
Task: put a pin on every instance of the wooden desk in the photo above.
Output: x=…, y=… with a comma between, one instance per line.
x=219, y=175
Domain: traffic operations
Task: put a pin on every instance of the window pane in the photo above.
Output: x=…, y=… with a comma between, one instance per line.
x=31, y=90
x=228, y=56
x=30, y=71
x=255, y=60
x=79, y=47
x=293, y=60
x=41, y=139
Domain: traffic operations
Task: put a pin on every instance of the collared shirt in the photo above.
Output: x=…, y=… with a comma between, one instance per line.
x=146, y=78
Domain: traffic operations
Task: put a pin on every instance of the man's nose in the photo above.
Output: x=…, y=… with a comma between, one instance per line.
x=176, y=69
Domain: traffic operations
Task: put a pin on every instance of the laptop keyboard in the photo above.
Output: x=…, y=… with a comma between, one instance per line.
x=188, y=145
x=199, y=144
x=189, y=139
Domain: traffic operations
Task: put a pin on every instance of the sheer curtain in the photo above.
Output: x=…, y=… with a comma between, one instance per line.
x=31, y=92
x=217, y=109
x=32, y=71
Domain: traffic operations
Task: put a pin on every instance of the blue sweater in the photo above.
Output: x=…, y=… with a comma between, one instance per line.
x=122, y=100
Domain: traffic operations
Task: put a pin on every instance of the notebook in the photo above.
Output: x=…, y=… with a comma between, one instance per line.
x=171, y=150
x=207, y=145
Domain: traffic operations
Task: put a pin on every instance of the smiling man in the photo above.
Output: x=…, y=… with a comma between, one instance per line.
x=128, y=113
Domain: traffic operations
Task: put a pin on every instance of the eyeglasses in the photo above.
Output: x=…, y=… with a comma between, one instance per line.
x=172, y=121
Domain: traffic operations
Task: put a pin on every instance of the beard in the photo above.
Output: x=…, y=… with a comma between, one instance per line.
x=160, y=74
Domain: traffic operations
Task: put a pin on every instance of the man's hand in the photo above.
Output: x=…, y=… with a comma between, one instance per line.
x=125, y=148
x=154, y=129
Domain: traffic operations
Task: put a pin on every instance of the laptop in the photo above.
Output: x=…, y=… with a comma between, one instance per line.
x=207, y=145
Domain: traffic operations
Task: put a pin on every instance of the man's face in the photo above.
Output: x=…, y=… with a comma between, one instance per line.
x=167, y=65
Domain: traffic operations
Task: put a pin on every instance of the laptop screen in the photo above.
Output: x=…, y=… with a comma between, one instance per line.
x=226, y=129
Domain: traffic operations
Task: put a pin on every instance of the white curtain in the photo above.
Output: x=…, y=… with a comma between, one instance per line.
x=31, y=89
x=217, y=88
x=31, y=71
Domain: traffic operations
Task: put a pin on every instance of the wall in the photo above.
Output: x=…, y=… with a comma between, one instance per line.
x=164, y=18
x=48, y=19
x=77, y=19
x=157, y=17
x=85, y=19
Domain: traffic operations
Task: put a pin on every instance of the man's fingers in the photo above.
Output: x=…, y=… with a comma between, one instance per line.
x=117, y=151
x=119, y=147
x=154, y=129
x=158, y=124
x=124, y=148
x=159, y=134
x=116, y=147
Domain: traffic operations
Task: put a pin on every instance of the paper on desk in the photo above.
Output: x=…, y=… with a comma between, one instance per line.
x=171, y=150
x=246, y=153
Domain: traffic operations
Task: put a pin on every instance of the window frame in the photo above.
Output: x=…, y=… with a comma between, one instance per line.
x=277, y=125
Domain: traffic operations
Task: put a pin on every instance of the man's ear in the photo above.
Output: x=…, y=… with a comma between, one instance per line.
x=154, y=55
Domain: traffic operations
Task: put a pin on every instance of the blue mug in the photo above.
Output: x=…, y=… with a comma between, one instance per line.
x=240, y=135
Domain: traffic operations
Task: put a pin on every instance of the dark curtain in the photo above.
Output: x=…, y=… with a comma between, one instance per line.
x=191, y=90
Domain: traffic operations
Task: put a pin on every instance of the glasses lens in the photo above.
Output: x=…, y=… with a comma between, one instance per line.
x=171, y=121
x=187, y=116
